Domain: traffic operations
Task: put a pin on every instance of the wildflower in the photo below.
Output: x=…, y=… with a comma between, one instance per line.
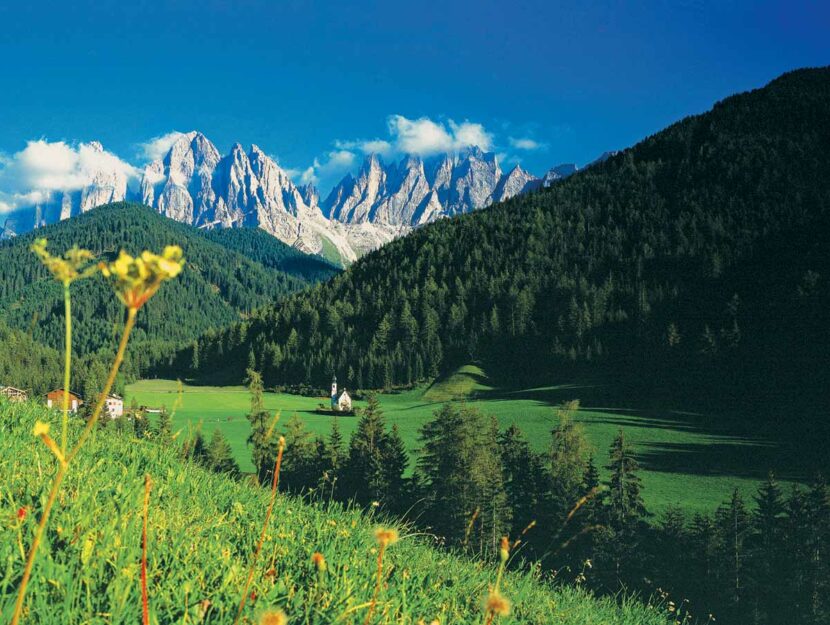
x=40, y=428
x=137, y=279
x=22, y=512
x=386, y=536
x=273, y=617
x=319, y=561
x=504, y=549
x=497, y=604
x=76, y=263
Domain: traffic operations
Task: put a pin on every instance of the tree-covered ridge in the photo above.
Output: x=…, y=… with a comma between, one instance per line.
x=26, y=364
x=697, y=257
x=270, y=252
x=218, y=287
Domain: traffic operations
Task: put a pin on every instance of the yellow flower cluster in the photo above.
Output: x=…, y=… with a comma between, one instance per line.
x=386, y=536
x=76, y=263
x=137, y=279
x=497, y=604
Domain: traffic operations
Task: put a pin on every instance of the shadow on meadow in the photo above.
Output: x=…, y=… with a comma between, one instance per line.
x=705, y=444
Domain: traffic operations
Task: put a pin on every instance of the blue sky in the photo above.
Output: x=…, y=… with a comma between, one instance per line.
x=539, y=82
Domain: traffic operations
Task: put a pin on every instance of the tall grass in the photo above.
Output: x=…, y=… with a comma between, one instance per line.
x=108, y=560
x=202, y=530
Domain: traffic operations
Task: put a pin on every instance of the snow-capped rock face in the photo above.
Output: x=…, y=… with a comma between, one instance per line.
x=411, y=193
x=515, y=182
x=560, y=172
x=179, y=185
x=193, y=183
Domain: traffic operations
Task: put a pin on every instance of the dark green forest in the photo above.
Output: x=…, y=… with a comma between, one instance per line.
x=220, y=285
x=259, y=246
x=694, y=265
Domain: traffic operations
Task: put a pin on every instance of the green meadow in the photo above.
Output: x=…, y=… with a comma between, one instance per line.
x=687, y=459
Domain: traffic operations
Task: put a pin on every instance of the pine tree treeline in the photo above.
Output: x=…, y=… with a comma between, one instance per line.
x=471, y=485
x=696, y=259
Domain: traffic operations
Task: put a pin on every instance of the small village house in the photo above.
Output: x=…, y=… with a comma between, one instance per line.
x=13, y=394
x=115, y=406
x=54, y=399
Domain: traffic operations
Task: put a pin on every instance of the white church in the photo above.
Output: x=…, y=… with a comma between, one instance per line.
x=342, y=402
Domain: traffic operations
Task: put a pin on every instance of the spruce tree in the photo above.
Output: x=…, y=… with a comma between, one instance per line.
x=263, y=441
x=462, y=478
x=625, y=514
x=769, y=557
x=733, y=527
x=220, y=456
x=364, y=477
x=568, y=454
x=395, y=461
x=300, y=469
x=164, y=427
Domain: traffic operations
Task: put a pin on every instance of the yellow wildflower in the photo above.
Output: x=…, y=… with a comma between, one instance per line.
x=76, y=263
x=137, y=279
x=40, y=428
x=386, y=536
x=273, y=617
x=319, y=561
x=497, y=604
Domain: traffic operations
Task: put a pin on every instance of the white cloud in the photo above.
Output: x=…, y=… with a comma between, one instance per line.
x=43, y=167
x=308, y=176
x=157, y=147
x=420, y=136
x=372, y=146
x=525, y=143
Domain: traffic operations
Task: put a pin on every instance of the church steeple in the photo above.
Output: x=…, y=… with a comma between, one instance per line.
x=333, y=391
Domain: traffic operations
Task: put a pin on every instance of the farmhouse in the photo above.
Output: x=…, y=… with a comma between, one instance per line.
x=341, y=402
x=13, y=394
x=54, y=399
x=115, y=406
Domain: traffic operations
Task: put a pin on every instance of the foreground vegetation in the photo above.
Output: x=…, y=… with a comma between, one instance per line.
x=202, y=531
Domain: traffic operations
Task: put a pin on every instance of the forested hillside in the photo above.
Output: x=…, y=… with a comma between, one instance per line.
x=270, y=252
x=219, y=286
x=694, y=263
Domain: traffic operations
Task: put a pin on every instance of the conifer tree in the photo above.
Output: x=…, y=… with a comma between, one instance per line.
x=568, y=454
x=625, y=513
x=164, y=427
x=261, y=439
x=300, y=468
x=462, y=478
x=769, y=556
x=220, y=456
x=733, y=527
x=524, y=479
x=395, y=461
x=364, y=477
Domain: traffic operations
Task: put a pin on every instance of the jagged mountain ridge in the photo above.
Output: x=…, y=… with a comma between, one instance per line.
x=415, y=191
x=195, y=184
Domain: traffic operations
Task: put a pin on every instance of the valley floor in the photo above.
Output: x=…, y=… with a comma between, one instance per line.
x=687, y=459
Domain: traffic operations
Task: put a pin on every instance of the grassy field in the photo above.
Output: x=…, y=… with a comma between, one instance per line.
x=202, y=531
x=688, y=459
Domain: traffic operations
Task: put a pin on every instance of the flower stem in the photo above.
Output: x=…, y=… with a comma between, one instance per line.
x=64, y=466
x=145, y=603
x=374, y=601
x=67, y=364
x=102, y=398
x=274, y=485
